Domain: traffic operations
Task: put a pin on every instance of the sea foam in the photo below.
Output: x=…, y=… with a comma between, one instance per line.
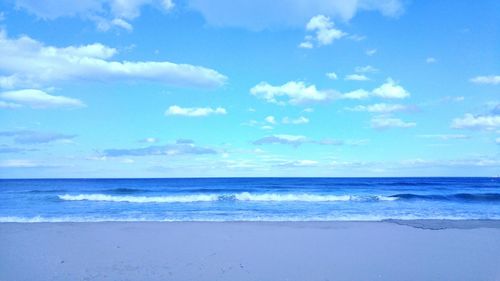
x=243, y=196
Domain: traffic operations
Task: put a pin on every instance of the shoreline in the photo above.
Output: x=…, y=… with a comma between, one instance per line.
x=293, y=251
x=429, y=224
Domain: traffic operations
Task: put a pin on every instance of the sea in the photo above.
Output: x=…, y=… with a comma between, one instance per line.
x=248, y=199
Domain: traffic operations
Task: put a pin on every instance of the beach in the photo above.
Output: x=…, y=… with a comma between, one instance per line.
x=335, y=250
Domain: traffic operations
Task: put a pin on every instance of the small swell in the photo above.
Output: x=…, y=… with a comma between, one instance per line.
x=474, y=197
x=139, y=199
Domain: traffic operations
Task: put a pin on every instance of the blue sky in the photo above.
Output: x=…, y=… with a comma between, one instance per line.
x=196, y=88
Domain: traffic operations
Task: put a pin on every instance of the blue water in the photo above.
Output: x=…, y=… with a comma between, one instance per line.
x=248, y=199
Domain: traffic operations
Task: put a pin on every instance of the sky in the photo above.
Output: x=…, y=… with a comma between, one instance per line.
x=233, y=88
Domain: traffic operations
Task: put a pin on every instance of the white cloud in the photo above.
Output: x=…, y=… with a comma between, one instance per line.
x=306, y=45
x=122, y=23
x=194, y=111
x=356, y=77
x=491, y=79
x=296, y=121
x=297, y=163
x=18, y=163
x=4, y=104
x=430, y=60
x=371, y=52
x=36, y=137
x=449, y=99
x=294, y=140
x=325, y=31
x=38, y=99
x=380, y=108
x=444, y=136
x=295, y=92
x=356, y=95
x=149, y=140
x=332, y=75
x=479, y=122
x=384, y=122
x=355, y=37
x=270, y=119
x=497, y=140
x=28, y=62
x=391, y=90
x=365, y=69
x=102, y=12
x=263, y=14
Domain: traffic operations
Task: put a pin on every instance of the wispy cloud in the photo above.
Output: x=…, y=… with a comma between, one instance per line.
x=296, y=121
x=296, y=163
x=430, y=60
x=295, y=140
x=258, y=15
x=38, y=99
x=18, y=163
x=194, y=111
x=9, y=149
x=384, y=122
x=365, y=69
x=477, y=122
x=356, y=77
x=178, y=148
x=490, y=79
x=380, y=108
x=103, y=12
x=357, y=95
x=34, y=137
x=444, y=136
x=149, y=140
x=332, y=75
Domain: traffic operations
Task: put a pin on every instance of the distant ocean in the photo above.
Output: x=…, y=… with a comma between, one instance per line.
x=248, y=199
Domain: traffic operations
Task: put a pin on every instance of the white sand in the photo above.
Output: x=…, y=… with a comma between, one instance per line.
x=304, y=251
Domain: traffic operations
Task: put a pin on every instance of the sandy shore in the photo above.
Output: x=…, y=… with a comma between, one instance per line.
x=396, y=250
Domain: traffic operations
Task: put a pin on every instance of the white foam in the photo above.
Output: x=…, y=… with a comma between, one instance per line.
x=140, y=199
x=246, y=196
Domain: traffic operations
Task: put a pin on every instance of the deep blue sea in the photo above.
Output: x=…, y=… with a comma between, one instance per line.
x=248, y=199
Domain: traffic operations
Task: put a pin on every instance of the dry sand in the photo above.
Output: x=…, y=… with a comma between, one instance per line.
x=234, y=251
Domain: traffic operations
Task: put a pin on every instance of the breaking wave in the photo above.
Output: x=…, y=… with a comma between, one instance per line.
x=244, y=196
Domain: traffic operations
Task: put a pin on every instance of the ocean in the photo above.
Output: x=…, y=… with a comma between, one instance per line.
x=248, y=199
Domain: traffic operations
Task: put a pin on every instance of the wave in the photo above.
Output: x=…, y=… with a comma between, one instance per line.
x=473, y=197
x=139, y=199
x=125, y=190
x=244, y=196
